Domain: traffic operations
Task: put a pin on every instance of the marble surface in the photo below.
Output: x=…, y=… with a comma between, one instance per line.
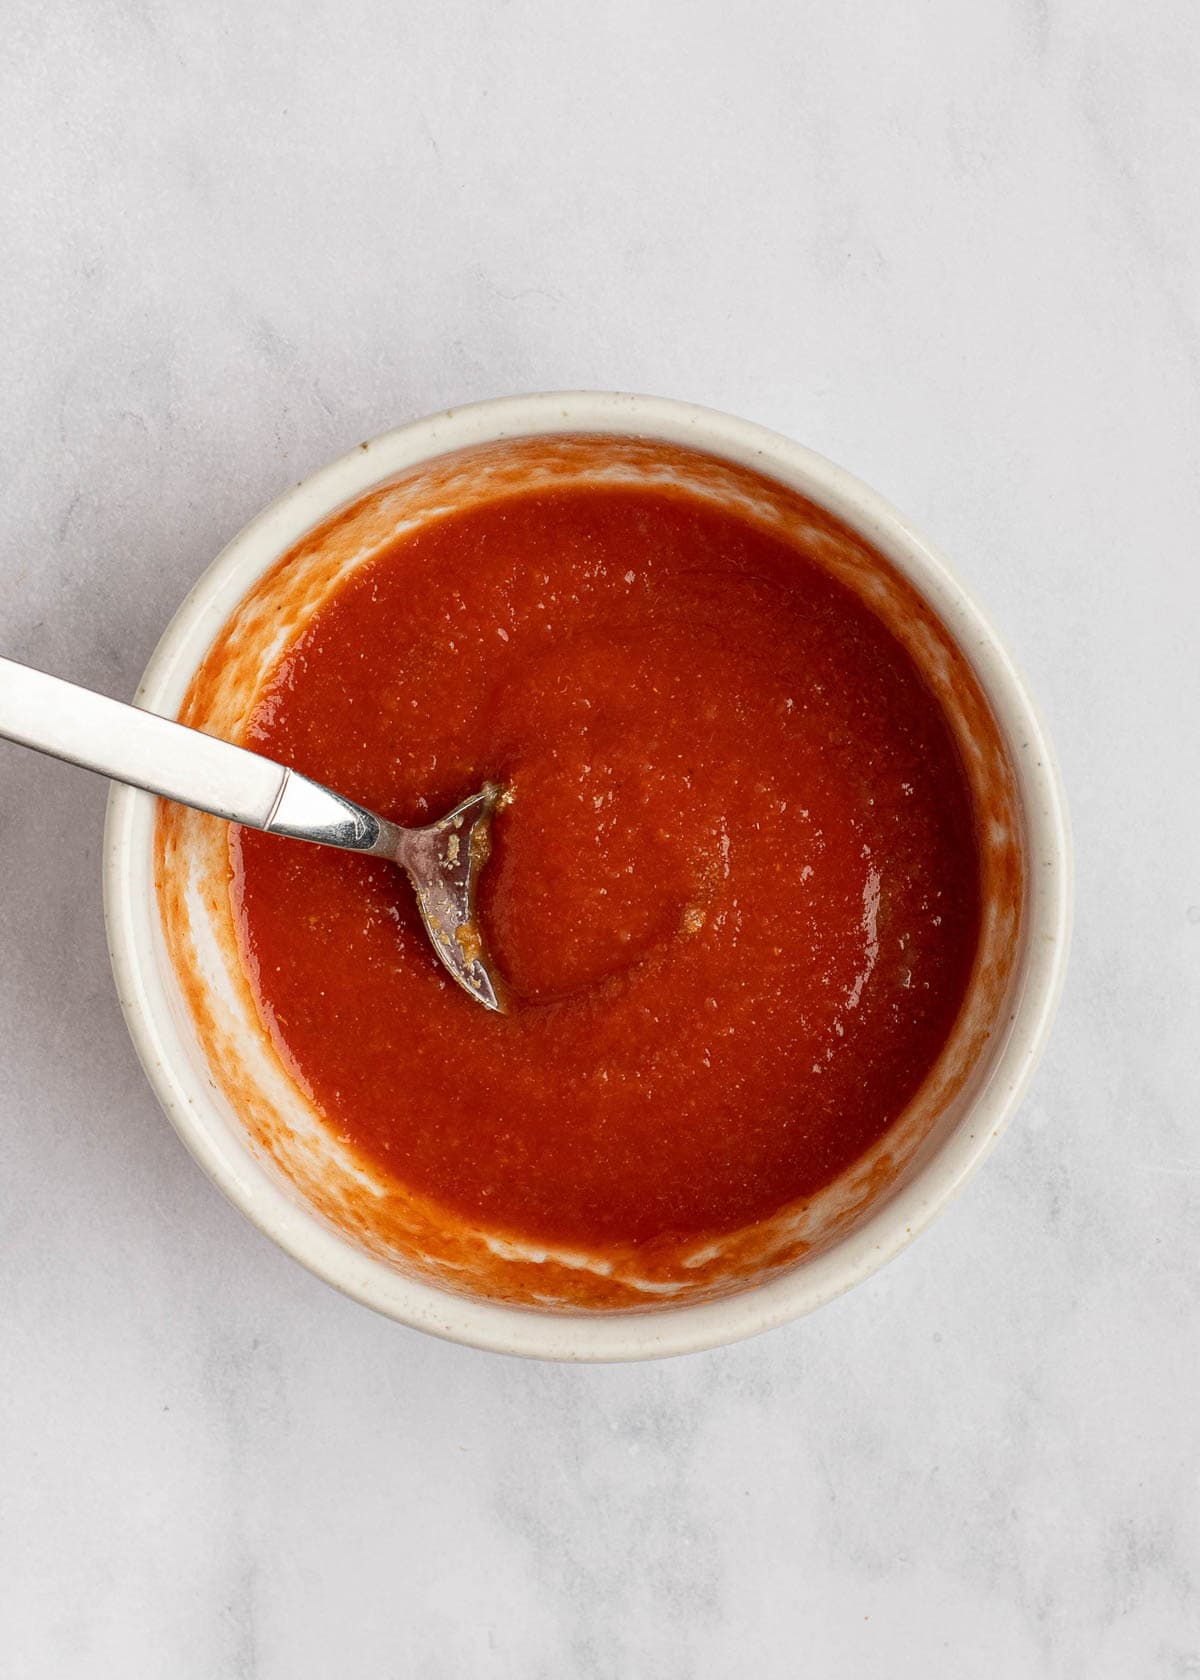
x=956, y=248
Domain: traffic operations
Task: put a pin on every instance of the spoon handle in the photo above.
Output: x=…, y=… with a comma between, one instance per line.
x=150, y=752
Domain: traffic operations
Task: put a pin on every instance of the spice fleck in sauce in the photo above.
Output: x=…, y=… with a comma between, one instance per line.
x=735, y=894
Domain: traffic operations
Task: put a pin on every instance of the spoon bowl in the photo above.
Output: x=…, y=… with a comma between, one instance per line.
x=444, y=863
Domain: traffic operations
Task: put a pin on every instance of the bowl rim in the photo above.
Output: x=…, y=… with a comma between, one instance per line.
x=131, y=913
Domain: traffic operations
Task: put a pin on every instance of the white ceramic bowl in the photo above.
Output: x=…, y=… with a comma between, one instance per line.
x=166, y=1040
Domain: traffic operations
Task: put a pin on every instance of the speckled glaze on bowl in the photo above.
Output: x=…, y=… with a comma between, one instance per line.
x=860, y=1224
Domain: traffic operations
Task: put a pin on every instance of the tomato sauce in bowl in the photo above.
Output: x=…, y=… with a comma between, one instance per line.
x=737, y=892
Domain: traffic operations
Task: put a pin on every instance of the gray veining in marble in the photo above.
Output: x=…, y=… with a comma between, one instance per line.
x=956, y=248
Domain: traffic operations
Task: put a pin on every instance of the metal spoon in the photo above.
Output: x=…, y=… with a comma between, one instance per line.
x=442, y=861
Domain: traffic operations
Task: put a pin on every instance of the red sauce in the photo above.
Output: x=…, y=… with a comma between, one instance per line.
x=736, y=894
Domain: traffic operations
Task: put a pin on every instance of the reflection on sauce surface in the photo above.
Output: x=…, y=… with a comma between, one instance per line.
x=736, y=892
